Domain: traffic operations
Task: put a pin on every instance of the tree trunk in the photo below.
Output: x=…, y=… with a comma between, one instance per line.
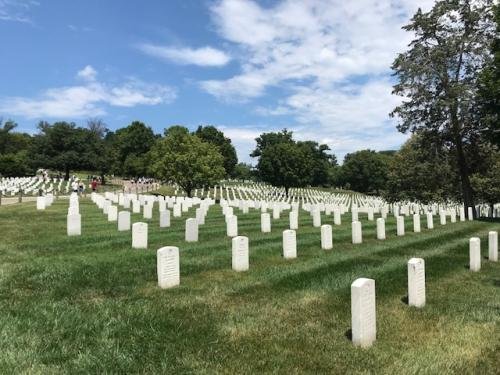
x=467, y=193
x=286, y=191
x=66, y=173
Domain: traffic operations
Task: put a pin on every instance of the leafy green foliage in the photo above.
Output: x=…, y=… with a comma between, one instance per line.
x=214, y=136
x=14, y=148
x=63, y=146
x=185, y=159
x=288, y=163
x=364, y=171
x=243, y=171
x=131, y=146
x=438, y=76
x=284, y=164
x=418, y=174
x=489, y=88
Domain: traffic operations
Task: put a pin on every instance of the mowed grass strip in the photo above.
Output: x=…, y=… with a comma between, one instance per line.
x=91, y=303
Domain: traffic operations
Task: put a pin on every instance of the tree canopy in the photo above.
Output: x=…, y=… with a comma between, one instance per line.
x=216, y=137
x=438, y=76
x=364, y=171
x=186, y=160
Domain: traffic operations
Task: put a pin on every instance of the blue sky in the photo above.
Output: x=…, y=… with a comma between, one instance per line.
x=320, y=68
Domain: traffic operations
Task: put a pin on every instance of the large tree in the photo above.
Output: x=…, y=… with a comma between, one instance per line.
x=14, y=146
x=364, y=171
x=186, y=160
x=131, y=146
x=63, y=146
x=489, y=89
x=418, y=173
x=269, y=139
x=289, y=163
x=321, y=163
x=438, y=77
x=285, y=164
x=216, y=137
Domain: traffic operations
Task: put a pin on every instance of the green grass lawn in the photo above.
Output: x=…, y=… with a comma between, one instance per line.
x=91, y=303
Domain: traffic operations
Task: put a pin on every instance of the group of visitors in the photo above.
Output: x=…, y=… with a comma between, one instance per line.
x=78, y=186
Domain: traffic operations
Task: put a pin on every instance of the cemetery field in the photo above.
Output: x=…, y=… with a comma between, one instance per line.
x=91, y=304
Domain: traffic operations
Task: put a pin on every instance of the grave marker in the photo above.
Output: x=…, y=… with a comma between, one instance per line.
x=416, y=282
x=240, y=257
x=493, y=246
x=363, y=312
x=357, y=235
x=380, y=229
x=74, y=225
x=475, y=254
x=140, y=235
x=326, y=237
x=123, y=221
x=191, y=233
x=168, y=267
x=289, y=244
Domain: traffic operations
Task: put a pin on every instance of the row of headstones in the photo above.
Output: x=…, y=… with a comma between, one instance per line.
x=140, y=229
x=74, y=218
x=363, y=307
x=363, y=310
x=27, y=185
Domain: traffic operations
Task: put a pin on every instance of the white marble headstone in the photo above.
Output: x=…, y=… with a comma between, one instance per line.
x=400, y=225
x=232, y=226
x=493, y=246
x=380, y=229
x=191, y=233
x=294, y=219
x=289, y=244
x=140, y=235
x=326, y=237
x=136, y=206
x=416, y=282
x=113, y=213
x=265, y=222
x=168, y=267
x=416, y=223
x=74, y=225
x=357, y=235
x=363, y=312
x=240, y=256
x=123, y=221
x=147, y=211
x=164, y=218
x=430, y=221
x=40, y=203
x=316, y=214
x=475, y=254
x=337, y=216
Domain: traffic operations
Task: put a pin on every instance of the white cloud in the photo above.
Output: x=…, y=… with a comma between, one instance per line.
x=16, y=10
x=88, y=73
x=88, y=99
x=330, y=58
x=205, y=56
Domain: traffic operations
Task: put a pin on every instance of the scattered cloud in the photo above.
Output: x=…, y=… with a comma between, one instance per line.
x=17, y=10
x=330, y=58
x=87, y=74
x=205, y=56
x=88, y=99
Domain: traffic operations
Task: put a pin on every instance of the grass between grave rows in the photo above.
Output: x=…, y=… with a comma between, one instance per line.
x=91, y=303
